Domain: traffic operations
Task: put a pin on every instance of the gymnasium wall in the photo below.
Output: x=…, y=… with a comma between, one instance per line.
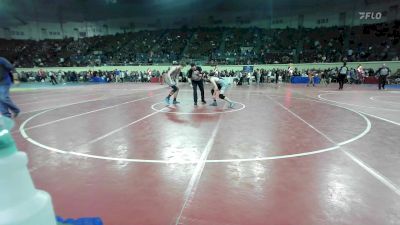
x=393, y=65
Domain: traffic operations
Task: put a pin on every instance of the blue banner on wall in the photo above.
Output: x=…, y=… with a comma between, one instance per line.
x=248, y=69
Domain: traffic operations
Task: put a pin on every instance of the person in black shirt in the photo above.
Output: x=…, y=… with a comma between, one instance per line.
x=53, y=78
x=196, y=78
x=383, y=72
x=342, y=75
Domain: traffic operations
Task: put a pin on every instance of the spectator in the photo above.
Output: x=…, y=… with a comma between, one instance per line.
x=6, y=103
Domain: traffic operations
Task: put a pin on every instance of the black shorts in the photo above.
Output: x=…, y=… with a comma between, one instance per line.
x=174, y=88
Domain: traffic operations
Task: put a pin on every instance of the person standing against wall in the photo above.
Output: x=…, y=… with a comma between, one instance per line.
x=342, y=75
x=360, y=73
x=248, y=78
x=290, y=73
x=310, y=75
x=53, y=79
x=42, y=75
x=383, y=72
x=258, y=76
x=269, y=76
x=122, y=76
x=324, y=77
x=162, y=77
x=276, y=77
x=6, y=104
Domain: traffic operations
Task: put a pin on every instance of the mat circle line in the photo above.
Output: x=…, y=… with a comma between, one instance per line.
x=337, y=146
x=374, y=98
x=350, y=104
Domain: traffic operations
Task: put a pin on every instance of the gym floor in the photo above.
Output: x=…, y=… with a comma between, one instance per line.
x=286, y=155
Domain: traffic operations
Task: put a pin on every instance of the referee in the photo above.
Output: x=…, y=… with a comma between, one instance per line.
x=196, y=78
x=342, y=75
x=383, y=72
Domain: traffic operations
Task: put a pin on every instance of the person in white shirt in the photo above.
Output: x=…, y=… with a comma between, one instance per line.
x=360, y=73
x=122, y=76
x=52, y=78
x=219, y=87
x=248, y=77
x=258, y=76
x=269, y=76
x=170, y=78
x=291, y=71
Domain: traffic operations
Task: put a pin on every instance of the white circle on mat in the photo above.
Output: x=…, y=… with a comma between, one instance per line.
x=335, y=147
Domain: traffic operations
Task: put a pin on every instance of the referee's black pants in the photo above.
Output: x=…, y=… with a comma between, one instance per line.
x=53, y=80
x=341, y=79
x=382, y=82
x=201, y=87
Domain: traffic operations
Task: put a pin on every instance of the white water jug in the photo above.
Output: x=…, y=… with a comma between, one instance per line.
x=20, y=202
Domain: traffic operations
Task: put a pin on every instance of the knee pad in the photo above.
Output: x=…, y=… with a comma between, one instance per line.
x=212, y=91
x=221, y=96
